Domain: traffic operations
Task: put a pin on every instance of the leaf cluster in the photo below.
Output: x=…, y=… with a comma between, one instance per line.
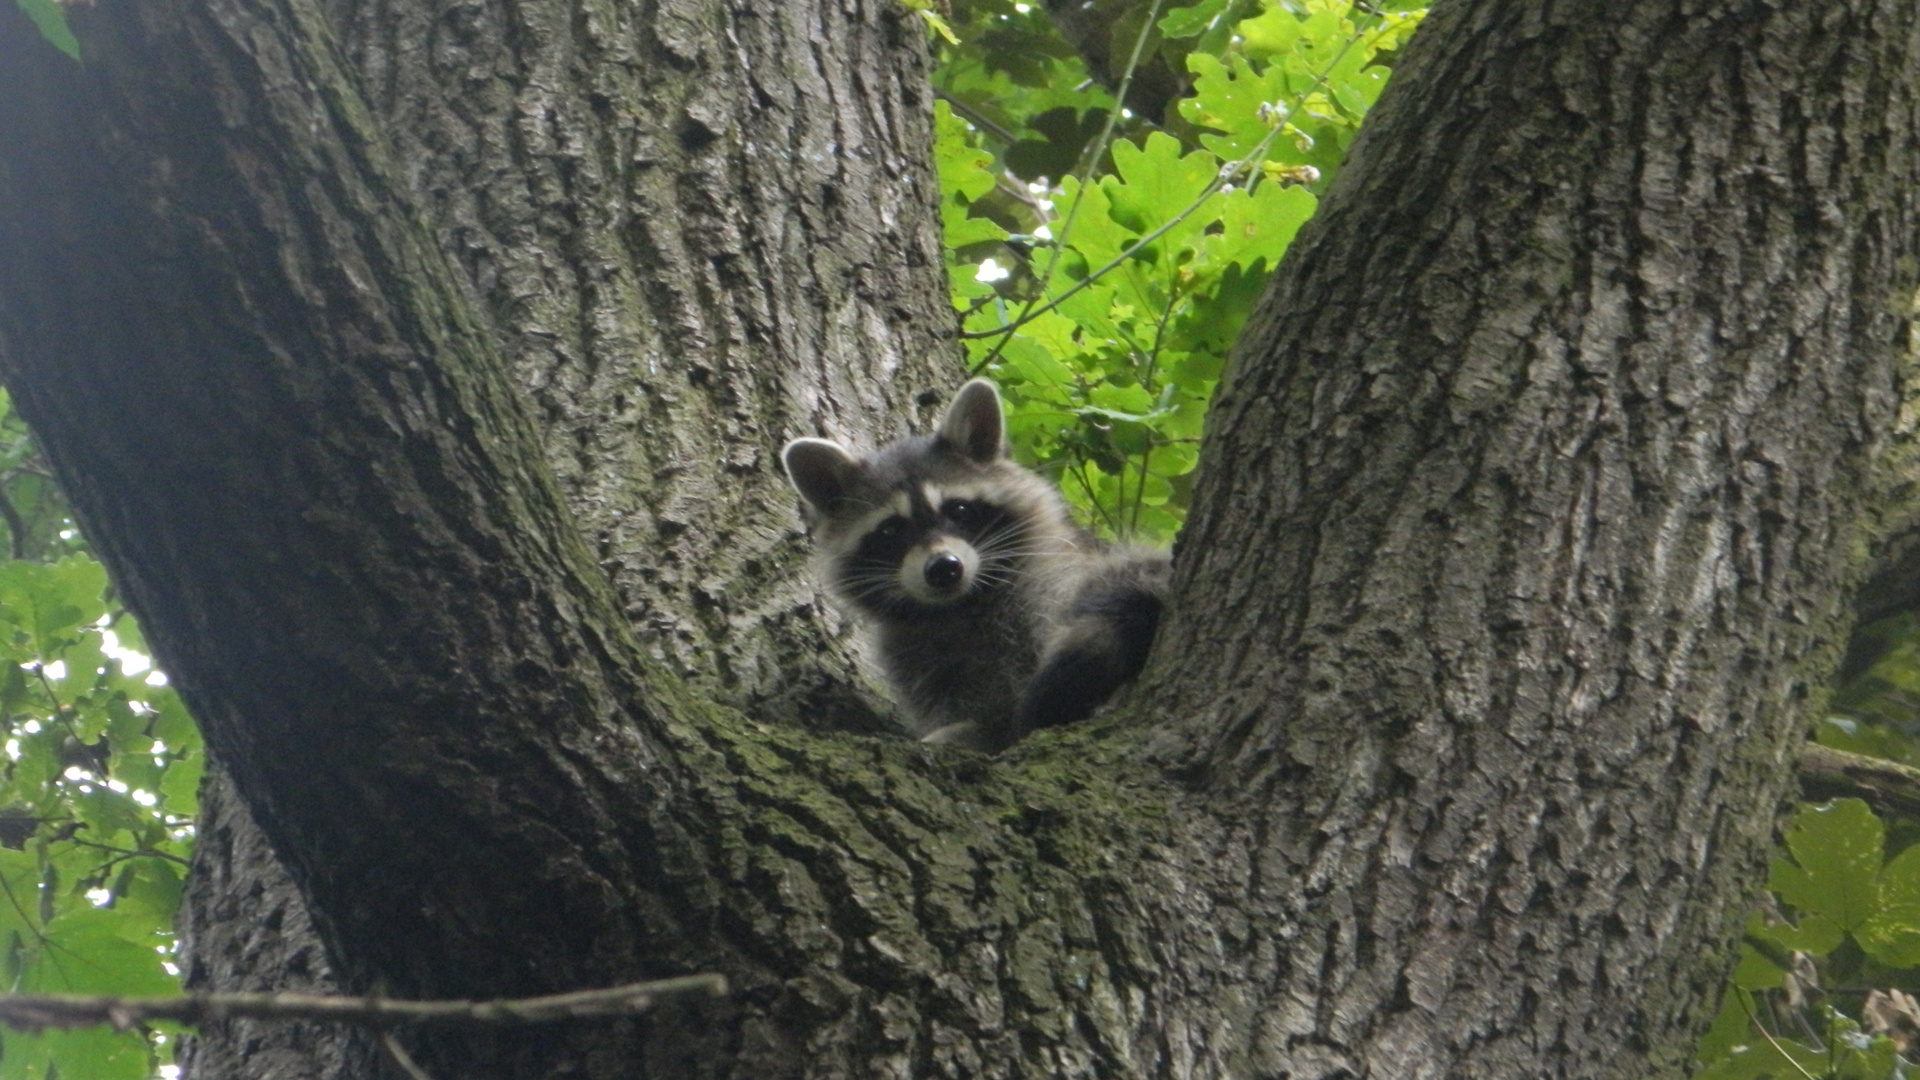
x=1842, y=929
x=99, y=766
x=1103, y=262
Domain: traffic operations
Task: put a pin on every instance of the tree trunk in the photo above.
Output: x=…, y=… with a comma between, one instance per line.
x=1555, y=449
x=245, y=928
x=418, y=375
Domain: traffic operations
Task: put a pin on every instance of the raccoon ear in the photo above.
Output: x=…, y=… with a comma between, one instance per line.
x=821, y=471
x=973, y=424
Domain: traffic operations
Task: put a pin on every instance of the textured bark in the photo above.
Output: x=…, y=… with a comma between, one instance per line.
x=248, y=929
x=417, y=373
x=1553, y=453
x=696, y=228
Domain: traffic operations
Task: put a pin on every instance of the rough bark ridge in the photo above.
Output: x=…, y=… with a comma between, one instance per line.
x=1545, y=465
x=263, y=940
x=697, y=228
x=1578, y=394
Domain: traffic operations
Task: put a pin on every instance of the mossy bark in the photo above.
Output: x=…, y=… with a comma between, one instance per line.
x=418, y=373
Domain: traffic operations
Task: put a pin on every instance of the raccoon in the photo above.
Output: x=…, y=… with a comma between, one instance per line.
x=991, y=613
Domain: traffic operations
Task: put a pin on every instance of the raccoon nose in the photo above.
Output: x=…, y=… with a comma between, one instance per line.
x=944, y=570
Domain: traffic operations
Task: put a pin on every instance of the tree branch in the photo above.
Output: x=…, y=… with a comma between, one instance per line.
x=35, y=1012
x=1890, y=788
x=977, y=118
x=1894, y=583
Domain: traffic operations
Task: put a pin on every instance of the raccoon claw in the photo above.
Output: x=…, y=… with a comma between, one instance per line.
x=965, y=734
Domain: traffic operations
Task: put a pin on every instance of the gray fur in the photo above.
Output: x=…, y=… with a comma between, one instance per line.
x=991, y=613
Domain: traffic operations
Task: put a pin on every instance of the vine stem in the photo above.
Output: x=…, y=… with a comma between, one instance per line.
x=1086, y=174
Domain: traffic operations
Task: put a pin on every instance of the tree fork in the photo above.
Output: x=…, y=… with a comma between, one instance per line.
x=1528, y=503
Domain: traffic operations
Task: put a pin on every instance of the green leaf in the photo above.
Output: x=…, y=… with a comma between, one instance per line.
x=1763, y=1059
x=180, y=789
x=154, y=892
x=103, y=951
x=172, y=725
x=1157, y=183
x=1094, y=234
x=964, y=177
x=127, y=629
x=1891, y=934
x=92, y=1054
x=51, y=18
x=51, y=603
x=39, y=762
x=1122, y=402
x=20, y=898
x=1259, y=225
x=1026, y=361
x=1755, y=971
x=1191, y=21
x=1731, y=1027
x=110, y=817
x=1271, y=32
x=1228, y=98
x=1837, y=848
x=1816, y=935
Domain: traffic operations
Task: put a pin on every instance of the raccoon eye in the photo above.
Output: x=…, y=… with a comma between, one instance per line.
x=964, y=512
x=891, y=529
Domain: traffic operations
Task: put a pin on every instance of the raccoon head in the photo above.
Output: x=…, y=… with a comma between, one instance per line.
x=929, y=522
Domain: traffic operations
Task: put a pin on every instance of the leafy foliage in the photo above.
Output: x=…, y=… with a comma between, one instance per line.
x=51, y=18
x=97, y=783
x=1818, y=988
x=1102, y=280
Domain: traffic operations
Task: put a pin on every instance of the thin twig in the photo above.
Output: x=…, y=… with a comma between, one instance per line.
x=126, y=853
x=1768, y=1035
x=34, y=1012
x=401, y=1058
x=1146, y=455
x=977, y=118
x=1034, y=310
x=1888, y=787
x=1016, y=188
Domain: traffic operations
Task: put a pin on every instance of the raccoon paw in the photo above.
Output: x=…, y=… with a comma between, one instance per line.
x=1102, y=646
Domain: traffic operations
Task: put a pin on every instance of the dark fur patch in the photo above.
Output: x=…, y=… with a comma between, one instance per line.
x=1102, y=645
